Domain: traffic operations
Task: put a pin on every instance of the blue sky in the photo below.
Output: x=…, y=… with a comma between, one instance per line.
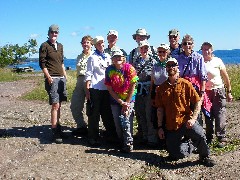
x=216, y=21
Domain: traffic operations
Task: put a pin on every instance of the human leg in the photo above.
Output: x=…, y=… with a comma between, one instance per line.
x=93, y=119
x=219, y=112
x=174, y=144
x=196, y=134
x=152, y=135
x=141, y=117
x=77, y=103
x=107, y=116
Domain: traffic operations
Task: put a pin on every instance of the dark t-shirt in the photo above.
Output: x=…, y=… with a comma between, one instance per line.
x=51, y=58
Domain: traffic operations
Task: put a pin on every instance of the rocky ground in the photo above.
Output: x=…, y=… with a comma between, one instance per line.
x=26, y=151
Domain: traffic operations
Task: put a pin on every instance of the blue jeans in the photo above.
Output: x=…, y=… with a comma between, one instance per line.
x=123, y=124
x=178, y=149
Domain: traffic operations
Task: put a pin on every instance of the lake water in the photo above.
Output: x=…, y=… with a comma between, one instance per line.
x=228, y=57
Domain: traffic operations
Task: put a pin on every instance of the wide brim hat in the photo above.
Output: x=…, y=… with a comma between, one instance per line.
x=141, y=32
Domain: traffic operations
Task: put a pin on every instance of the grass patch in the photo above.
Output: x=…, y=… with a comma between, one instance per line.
x=234, y=75
x=39, y=92
x=230, y=146
x=6, y=75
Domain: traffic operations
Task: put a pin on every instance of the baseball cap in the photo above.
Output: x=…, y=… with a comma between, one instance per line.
x=53, y=27
x=171, y=59
x=143, y=43
x=164, y=46
x=173, y=32
x=117, y=53
x=96, y=39
x=112, y=32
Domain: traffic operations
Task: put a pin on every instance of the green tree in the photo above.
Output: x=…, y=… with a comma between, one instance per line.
x=14, y=54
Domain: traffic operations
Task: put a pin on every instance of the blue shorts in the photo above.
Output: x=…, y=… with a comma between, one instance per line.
x=57, y=91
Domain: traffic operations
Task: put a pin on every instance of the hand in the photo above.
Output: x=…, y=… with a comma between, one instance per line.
x=229, y=97
x=161, y=133
x=125, y=108
x=190, y=123
x=50, y=80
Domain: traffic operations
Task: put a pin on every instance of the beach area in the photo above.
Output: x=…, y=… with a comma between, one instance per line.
x=27, y=152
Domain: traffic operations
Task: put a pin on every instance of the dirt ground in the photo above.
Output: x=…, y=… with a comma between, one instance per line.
x=26, y=151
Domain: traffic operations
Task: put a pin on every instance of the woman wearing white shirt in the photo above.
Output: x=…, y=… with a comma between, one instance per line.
x=217, y=78
x=97, y=93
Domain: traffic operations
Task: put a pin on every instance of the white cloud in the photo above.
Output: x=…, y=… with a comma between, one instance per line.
x=88, y=28
x=74, y=34
x=34, y=36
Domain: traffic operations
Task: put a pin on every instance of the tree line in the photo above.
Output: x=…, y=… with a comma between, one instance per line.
x=15, y=54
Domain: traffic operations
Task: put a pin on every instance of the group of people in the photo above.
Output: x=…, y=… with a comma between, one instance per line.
x=167, y=89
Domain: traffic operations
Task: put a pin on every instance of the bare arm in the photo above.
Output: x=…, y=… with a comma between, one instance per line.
x=196, y=111
x=226, y=80
x=64, y=71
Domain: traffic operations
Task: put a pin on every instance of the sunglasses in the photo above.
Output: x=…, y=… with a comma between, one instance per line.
x=171, y=65
x=187, y=43
x=54, y=32
x=162, y=52
x=170, y=37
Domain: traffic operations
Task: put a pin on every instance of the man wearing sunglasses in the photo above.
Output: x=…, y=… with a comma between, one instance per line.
x=174, y=99
x=192, y=67
x=175, y=46
x=51, y=63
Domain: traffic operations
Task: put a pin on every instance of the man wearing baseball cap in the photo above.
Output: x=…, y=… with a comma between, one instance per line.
x=51, y=63
x=175, y=46
x=112, y=37
x=174, y=99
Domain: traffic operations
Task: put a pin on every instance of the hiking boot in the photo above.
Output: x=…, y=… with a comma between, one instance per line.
x=222, y=142
x=80, y=131
x=207, y=161
x=62, y=134
x=56, y=136
x=127, y=148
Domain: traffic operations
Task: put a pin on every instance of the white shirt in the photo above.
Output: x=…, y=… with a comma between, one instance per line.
x=95, y=73
x=213, y=67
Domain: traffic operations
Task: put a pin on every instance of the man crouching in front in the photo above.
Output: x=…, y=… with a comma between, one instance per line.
x=176, y=119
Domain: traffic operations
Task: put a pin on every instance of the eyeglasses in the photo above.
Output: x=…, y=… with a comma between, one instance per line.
x=54, y=32
x=187, y=43
x=162, y=52
x=170, y=37
x=171, y=65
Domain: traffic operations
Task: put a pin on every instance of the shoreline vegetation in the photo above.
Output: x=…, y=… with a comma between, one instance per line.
x=39, y=92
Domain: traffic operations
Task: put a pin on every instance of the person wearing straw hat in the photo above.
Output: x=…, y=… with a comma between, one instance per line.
x=140, y=35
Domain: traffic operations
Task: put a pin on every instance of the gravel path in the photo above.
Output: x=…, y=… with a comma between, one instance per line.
x=26, y=151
